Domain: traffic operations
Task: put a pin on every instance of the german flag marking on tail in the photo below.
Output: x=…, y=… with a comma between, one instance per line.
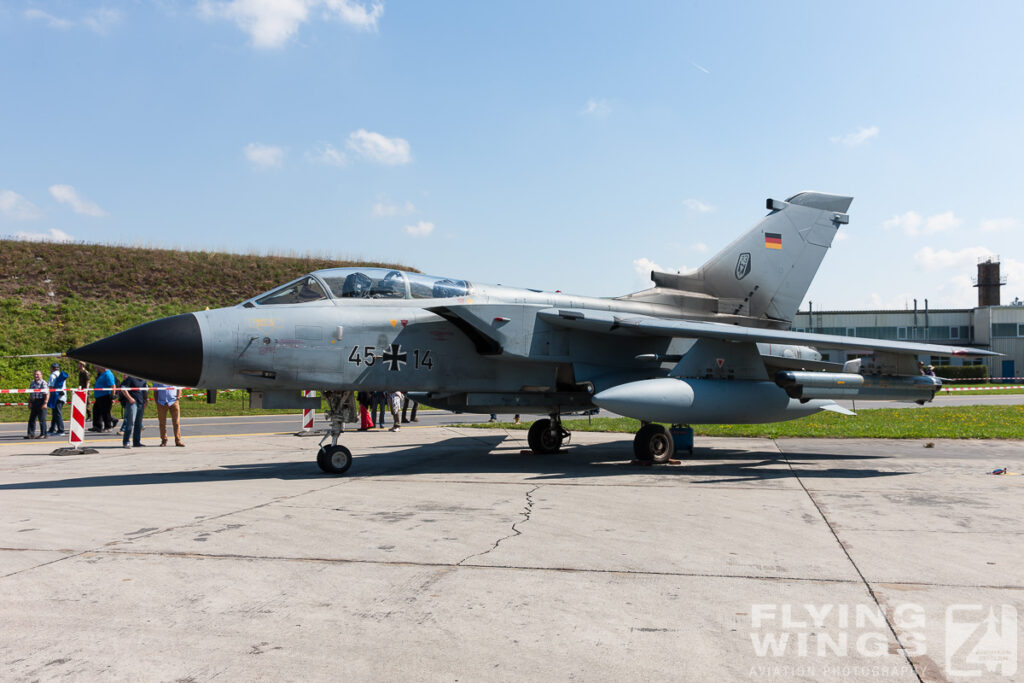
x=773, y=240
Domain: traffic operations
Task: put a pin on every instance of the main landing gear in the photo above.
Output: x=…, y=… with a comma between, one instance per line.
x=653, y=443
x=334, y=459
x=546, y=436
x=656, y=443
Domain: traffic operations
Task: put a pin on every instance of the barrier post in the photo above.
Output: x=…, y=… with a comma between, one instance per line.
x=77, y=418
x=308, y=414
x=77, y=435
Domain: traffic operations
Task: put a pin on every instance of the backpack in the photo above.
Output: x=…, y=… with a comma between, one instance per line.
x=57, y=396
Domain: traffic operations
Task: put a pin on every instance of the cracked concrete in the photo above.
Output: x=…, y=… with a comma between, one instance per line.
x=515, y=528
x=448, y=555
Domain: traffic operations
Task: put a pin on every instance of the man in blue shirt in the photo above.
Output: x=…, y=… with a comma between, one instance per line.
x=102, y=421
x=167, y=402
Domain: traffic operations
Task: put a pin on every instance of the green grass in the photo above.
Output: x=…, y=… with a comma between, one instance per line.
x=955, y=422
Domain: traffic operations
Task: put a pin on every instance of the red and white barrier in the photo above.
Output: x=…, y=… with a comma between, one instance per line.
x=308, y=414
x=77, y=417
x=997, y=388
x=980, y=379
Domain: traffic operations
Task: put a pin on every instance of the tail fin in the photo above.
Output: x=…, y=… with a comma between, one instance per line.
x=766, y=272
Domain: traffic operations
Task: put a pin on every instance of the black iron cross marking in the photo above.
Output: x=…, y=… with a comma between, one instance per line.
x=396, y=356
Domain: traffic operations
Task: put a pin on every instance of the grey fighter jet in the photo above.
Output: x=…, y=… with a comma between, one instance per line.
x=713, y=346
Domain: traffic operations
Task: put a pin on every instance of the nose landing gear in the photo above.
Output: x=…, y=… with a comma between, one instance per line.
x=334, y=459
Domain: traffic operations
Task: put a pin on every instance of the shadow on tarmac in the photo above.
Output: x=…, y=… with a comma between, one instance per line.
x=485, y=455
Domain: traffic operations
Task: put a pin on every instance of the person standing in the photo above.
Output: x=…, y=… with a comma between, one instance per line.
x=395, y=400
x=57, y=399
x=364, y=398
x=83, y=383
x=167, y=402
x=378, y=407
x=133, y=399
x=405, y=407
x=37, y=405
x=102, y=421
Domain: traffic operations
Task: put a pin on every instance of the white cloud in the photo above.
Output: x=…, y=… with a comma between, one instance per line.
x=421, y=229
x=262, y=155
x=913, y=224
x=17, y=207
x=944, y=259
x=101, y=20
x=957, y=292
x=908, y=223
x=643, y=267
x=598, y=108
x=700, y=68
x=65, y=194
x=48, y=19
x=997, y=224
x=386, y=209
x=699, y=247
x=326, y=153
x=380, y=149
x=53, y=236
x=941, y=222
x=272, y=23
x=858, y=137
x=697, y=205
x=356, y=14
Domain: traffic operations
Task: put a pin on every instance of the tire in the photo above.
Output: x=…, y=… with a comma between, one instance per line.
x=542, y=440
x=334, y=459
x=653, y=443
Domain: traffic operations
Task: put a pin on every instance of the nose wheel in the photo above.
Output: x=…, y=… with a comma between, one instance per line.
x=334, y=459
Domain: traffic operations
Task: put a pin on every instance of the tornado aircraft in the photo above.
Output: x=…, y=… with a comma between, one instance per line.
x=713, y=346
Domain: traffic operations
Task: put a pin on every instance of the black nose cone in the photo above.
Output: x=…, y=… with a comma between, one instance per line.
x=168, y=350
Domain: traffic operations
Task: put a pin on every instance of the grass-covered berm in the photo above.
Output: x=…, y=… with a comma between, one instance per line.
x=54, y=296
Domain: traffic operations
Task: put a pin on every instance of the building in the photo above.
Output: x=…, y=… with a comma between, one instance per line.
x=988, y=326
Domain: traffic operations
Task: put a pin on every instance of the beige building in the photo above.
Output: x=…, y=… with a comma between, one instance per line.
x=990, y=326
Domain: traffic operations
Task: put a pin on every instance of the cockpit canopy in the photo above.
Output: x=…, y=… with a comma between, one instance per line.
x=362, y=283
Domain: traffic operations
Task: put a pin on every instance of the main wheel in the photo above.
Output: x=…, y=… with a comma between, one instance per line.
x=653, y=443
x=334, y=459
x=544, y=437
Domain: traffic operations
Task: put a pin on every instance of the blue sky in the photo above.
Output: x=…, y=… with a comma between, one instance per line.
x=565, y=145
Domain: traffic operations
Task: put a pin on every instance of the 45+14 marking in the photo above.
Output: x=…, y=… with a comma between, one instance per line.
x=393, y=356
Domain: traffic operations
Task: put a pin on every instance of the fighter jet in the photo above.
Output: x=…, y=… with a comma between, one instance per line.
x=713, y=346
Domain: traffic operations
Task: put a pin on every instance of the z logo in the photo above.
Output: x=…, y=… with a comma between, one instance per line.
x=743, y=265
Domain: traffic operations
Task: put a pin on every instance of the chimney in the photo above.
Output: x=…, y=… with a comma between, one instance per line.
x=988, y=281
